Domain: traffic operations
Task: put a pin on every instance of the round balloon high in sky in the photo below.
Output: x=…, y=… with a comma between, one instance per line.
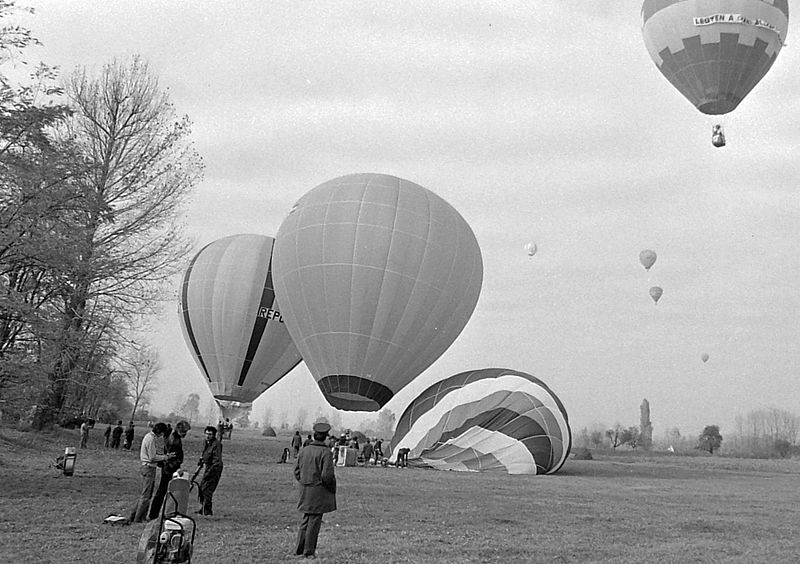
x=231, y=321
x=489, y=420
x=656, y=292
x=376, y=276
x=714, y=51
x=648, y=258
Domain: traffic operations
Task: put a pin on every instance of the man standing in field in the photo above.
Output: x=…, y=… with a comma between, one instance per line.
x=314, y=471
x=116, y=435
x=211, y=459
x=150, y=454
x=84, y=433
x=297, y=442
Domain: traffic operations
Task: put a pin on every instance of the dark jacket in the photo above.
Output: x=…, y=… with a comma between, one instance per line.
x=212, y=456
x=173, y=444
x=314, y=471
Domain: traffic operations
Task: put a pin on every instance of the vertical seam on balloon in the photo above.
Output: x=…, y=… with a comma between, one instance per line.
x=419, y=365
x=259, y=329
x=407, y=370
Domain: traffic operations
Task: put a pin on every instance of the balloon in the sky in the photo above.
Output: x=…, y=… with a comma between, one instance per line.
x=704, y=357
x=655, y=293
x=376, y=276
x=714, y=51
x=531, y=249
x=231, y=322
x=489, y=420
x=647, y=258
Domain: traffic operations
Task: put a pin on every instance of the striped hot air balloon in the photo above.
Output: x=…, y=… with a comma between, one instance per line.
x=714, y=51
x=230, y=319
x=377, y=276
x=489, y=420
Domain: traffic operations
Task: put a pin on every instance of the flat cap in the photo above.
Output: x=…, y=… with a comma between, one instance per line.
x=321, y=427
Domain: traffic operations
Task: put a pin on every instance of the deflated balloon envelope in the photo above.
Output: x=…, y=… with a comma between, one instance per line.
x=376, y=276
x=231, y=321
x=714, y=52
x=489, y=420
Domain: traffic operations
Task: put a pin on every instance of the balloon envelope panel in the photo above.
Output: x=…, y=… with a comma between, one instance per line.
x=714, y=51
x=231, y=321
x=486, y=420
x=377, y=276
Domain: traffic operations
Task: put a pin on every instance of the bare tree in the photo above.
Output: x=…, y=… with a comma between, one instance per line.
x=139, y=369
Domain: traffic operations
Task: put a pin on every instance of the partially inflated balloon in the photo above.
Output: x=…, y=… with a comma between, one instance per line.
x=714, y=51
x=647, y=258
x=490, y=420
x=231, y=322
x=376, y=276
x=655, y=293
x=531, y=249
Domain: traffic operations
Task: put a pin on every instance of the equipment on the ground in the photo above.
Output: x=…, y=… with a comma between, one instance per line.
x=170, y=539
x=66, y=462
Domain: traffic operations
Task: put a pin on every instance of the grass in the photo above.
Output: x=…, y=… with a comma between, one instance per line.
x=616, y=508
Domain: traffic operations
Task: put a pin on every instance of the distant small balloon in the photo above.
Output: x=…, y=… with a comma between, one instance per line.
x=704, y=357
x=655, y=293
x=647, y=258
x=531, y=249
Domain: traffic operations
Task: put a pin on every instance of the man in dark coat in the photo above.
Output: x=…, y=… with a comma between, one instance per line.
x=314, y=471
x=211, y=460
x=116, y=435
x=172, y=445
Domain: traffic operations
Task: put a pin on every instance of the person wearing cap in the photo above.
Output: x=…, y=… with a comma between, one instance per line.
x=314, y=470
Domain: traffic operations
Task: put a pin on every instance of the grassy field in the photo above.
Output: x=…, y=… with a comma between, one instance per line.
x=616, y=508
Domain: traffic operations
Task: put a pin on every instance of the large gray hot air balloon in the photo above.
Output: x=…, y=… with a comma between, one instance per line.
x=489, y=420
x=231, y=322
x=376, y=277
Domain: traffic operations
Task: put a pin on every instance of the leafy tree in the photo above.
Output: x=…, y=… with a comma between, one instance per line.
x=631, y=437
x=709, y=439
x=138, y=169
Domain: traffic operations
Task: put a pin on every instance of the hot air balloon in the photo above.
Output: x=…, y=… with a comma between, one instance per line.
x=489, y=420
x=655, y=293
x=531, y=249
x=647, y=258
x=231, y=322
x=704, y=357
x=714, y=51
x=376, y=276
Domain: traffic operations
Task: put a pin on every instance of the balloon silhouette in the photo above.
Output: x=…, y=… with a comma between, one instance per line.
x=647, y=258
x=704, y=357
x=490, y=420
x=655, y=293
x=376, y=276
x=531, y=249
x=231, y=322
x=714, y=52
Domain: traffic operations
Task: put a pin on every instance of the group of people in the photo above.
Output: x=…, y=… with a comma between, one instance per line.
x=368, y=453
x=113, y=436
x=162, y=448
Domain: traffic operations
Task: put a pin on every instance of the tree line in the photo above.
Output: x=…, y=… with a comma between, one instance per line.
x=95, y=169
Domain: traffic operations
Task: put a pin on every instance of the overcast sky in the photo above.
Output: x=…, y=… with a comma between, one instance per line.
x=538, y=121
